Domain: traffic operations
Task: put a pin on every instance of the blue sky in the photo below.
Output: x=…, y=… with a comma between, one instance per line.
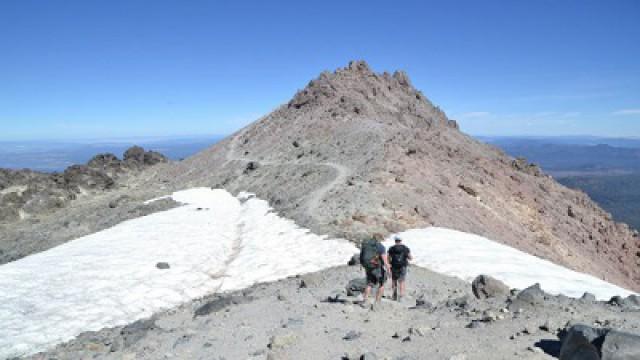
x=94, y=69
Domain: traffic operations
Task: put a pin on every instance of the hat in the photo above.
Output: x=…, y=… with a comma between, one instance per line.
x=397, y=238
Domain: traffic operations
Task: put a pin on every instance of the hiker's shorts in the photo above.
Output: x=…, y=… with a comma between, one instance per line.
x=376, y=277
x=399, y=273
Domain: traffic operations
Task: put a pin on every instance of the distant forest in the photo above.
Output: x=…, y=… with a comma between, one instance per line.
x=618, y=194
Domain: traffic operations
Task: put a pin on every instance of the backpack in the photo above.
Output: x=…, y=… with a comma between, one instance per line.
x=398, y=254
x=369, y=257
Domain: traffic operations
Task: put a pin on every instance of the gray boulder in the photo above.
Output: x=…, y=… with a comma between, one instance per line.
x=632, y=301
x=485, y=286
x=531, y=296
x=356, y=286
x=581, y=343
x=620, y=346
x=588, y=297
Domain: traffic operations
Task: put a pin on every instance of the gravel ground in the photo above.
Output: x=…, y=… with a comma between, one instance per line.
x=294, y=319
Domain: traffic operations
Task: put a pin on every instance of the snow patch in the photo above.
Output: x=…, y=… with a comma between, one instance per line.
x=466, y=256
x=215, y=242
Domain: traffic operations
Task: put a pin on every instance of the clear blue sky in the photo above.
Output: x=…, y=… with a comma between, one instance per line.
x=79, y=69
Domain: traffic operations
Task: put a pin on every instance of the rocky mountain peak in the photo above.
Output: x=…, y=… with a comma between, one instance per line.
x=355, y=91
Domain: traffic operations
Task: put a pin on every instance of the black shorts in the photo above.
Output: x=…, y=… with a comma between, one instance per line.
x=376, y=276
x=399, y=273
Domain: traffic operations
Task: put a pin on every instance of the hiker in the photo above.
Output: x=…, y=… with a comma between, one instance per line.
x=399, y=256
x=373, y=258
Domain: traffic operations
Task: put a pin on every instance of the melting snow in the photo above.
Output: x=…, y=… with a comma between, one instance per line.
x=466, y=255
x=215, y=242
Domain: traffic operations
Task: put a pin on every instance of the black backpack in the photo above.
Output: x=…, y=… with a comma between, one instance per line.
x=398, y=255
x=369, y=257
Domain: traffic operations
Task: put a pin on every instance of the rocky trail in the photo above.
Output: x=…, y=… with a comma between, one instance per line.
x=316, y=197
x=318, y=316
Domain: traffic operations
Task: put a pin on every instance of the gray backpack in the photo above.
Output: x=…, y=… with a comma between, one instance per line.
x=369, y=257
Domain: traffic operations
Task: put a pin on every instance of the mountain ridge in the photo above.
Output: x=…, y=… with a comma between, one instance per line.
x=402, y=163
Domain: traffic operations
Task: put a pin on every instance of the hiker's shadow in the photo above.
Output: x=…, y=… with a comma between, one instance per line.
x=549, y=346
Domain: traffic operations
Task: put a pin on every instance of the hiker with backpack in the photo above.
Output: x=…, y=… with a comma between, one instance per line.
x=373, y=258
x=399, y=256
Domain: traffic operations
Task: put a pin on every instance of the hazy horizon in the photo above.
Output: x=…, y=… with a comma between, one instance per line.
x=78, y=69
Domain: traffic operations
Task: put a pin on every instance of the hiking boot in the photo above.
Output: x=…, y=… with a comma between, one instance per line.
x=365, y=304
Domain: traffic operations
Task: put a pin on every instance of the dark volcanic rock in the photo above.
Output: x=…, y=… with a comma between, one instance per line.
x=581, y=343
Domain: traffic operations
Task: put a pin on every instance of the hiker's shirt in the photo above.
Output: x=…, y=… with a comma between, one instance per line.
x=399, y=255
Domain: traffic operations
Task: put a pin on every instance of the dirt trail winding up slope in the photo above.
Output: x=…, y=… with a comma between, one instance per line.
x=312, y=205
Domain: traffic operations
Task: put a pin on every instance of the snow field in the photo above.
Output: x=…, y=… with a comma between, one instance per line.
x=466, y=256
x=215, y=242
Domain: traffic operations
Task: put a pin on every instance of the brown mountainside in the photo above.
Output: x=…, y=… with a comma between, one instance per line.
x=357, y=152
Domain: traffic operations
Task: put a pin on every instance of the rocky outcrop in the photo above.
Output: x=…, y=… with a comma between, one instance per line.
x=26, y=193
x=136, y=156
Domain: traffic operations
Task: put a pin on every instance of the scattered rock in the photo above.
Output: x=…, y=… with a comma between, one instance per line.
x=162, y=265
x=251, y=166
x=616, y=301
x=356, y=286
x=368, y=356
x=485, y=286
x=531, y=296
x=352, y=335
x=489, y=316
x=588, y=297
x=469, y=190
x=418, y=331
x=461, y=302
x=281, y=341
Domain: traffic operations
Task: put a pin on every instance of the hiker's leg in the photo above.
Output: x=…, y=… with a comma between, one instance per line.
x=401, y=285
x=379, y=293
x=367, y=291
x=394, y=288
